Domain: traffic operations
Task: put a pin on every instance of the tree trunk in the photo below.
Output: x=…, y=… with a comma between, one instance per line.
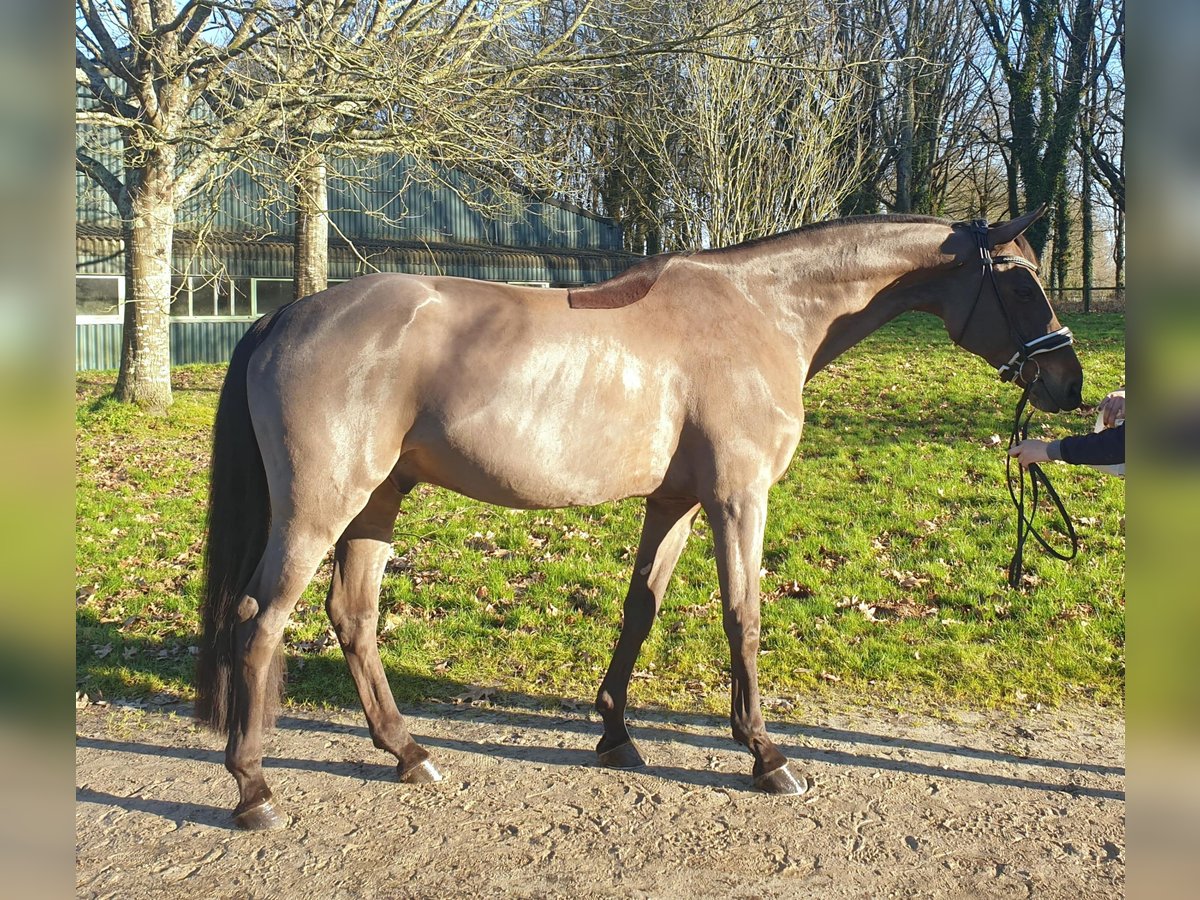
x=1061, y=248
x=145, y=374
x=904, y=153
x=1088, y=229
x=1119, y=253
x=311, y=246
x=1013, y=185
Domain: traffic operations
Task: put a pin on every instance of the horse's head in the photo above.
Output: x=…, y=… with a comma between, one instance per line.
x=1000, y=312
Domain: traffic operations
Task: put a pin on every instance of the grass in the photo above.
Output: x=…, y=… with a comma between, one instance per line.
x=884, y=557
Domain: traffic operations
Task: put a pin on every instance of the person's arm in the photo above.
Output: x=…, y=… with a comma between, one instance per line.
x=1104, y=448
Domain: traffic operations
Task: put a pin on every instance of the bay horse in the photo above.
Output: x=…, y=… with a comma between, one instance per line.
x=679, y=381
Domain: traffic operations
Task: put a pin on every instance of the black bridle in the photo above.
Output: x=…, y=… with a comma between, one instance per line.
x=1014, y=370
x=1027, y=348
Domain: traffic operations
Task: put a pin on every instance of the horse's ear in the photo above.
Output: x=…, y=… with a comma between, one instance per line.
x=1006, y=232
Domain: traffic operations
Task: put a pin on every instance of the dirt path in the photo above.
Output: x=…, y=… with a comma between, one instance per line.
x=906, y=807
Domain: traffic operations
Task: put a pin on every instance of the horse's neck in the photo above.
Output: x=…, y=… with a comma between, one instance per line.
x=832, y=294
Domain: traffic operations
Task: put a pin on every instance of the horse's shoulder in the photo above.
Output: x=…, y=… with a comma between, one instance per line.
x=625, y=289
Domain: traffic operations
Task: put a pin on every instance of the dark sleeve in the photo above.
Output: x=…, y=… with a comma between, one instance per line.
x=1104, y=448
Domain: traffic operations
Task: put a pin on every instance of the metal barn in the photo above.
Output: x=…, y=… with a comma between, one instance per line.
x=233, y=250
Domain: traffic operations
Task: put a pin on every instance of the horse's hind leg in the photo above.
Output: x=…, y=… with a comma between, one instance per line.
x=664, y=536
x=294, y=550
x=353, y=607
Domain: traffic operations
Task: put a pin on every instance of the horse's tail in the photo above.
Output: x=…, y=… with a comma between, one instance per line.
x=239, y=516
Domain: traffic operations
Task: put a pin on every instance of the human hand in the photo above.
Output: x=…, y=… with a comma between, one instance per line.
x=1113, y=408
x=1030, y=451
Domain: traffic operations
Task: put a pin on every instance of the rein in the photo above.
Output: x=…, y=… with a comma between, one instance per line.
x=1013, y=371
x=1018, y=493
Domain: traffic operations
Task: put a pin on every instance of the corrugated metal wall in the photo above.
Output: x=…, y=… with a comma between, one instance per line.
x=98, y=346
x=381, y=201
x=101, y=255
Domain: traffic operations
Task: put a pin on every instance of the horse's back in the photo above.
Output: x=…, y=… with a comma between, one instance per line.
x=500, y=393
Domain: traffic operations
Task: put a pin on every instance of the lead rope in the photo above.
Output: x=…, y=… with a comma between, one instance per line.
x=1025, y=526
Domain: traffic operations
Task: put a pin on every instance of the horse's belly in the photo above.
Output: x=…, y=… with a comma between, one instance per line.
x=542, y=468
x=548, y=444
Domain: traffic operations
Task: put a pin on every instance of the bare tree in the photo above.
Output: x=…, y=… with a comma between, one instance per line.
x=1106, y=140
x=1042, y=50
x=935, y=44
x=746, y=139
x=165, y=76
x=452, y=90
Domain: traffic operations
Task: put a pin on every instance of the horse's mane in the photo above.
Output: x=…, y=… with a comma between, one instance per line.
x=813, y=227
x=635, y=282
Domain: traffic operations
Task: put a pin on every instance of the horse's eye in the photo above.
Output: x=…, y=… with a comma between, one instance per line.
x=1024, y=293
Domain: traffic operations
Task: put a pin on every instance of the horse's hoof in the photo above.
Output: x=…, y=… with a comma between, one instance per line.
x=424, y=772
x=263, y=817
x=622, y=756
x=781, y=781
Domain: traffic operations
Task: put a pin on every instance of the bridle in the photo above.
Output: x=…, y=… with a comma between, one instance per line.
x=1014, y=370
x=1027, y=349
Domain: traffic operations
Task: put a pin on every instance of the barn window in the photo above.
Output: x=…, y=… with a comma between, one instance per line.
x=194, y=297
x=271, y=293
x=98, y=295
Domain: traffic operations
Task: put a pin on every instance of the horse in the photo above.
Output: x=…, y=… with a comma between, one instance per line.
x=679, y=381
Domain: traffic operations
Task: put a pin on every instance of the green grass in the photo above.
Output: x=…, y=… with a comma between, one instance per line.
x=885, y=553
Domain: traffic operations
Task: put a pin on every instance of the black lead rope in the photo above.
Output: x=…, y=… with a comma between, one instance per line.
x=1025, y=526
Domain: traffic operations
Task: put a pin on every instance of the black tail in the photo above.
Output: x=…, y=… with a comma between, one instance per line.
x=239, y=516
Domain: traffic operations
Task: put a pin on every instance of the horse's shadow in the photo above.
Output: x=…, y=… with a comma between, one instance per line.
x=172, y=811
x=218, y=817
x=664, y=730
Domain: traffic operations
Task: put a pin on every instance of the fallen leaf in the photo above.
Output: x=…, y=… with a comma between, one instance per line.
x=794, y=589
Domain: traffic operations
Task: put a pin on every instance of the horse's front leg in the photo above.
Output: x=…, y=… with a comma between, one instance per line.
x=738, y=522
x=664, y=535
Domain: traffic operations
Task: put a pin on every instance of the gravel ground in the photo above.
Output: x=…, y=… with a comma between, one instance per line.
x=967, y=805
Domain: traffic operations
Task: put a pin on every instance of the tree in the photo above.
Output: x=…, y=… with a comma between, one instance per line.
x=1042, y=50
x=742, y=135
x=938, y=102
x=169, y=77
x=449, y=86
